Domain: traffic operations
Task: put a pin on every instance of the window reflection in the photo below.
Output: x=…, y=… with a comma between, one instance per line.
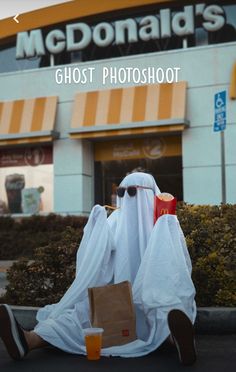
x=8, y=61
x=201, y=37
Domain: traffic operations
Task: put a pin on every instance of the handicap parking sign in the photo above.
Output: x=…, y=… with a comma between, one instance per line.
x=220, y=111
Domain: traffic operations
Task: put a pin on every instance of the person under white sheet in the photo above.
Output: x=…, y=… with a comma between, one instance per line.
x=125, y=246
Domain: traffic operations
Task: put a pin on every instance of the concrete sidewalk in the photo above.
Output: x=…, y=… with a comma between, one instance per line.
x=5, y=265
x=3, y=283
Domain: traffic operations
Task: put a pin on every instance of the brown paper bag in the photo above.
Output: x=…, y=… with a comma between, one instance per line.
x=112, y=308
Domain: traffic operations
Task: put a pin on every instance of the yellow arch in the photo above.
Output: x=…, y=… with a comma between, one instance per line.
x=68, y=11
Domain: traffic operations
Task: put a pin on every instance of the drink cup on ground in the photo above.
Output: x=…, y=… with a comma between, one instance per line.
x=93, y=342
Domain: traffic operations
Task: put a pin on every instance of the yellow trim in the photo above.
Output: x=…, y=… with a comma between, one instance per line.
x=26, y=141
x=139, y=104
x=165, y=102
x=232, y=87
x=138, y=148
x=76, y=9
x=128, y=132
x=114, y=107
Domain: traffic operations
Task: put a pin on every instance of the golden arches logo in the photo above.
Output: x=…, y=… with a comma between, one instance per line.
x=164, y=211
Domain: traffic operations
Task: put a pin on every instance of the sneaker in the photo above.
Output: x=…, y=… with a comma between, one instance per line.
x=12, y=334
x=182, y=332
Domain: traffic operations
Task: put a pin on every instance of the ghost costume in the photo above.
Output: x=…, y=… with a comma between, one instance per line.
x=126, y=246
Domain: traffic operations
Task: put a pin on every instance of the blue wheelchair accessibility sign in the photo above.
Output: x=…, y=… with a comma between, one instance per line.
x=220, y=111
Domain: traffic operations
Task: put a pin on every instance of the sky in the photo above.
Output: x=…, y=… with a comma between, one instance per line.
x=9, y=8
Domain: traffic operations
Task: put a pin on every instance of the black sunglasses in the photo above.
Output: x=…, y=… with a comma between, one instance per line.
x=131, y=190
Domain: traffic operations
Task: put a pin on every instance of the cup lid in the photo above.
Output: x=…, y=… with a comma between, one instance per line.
x=92, y=330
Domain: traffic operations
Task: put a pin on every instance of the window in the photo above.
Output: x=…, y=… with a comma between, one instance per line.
x=26, y=180
x=159, y=156
x=8, y=61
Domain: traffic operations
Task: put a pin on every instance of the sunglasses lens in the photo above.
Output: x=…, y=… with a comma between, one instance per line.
x=120, y=191
x=132, y=190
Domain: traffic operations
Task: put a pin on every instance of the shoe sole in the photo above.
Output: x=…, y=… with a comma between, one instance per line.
x=182, y=332
x=9, y=333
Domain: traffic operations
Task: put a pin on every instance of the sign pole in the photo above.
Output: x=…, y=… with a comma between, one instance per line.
x=220, y=126
x=223, y=180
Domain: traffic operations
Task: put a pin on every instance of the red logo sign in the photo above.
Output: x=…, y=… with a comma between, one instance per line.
x=32, y=156
x=125, y=332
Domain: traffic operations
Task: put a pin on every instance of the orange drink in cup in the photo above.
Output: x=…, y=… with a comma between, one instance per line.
x=93, y=342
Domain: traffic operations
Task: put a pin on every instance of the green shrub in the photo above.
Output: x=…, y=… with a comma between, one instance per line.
x=210, y=233
x=46, y=279
x=211, y=239
x=22, y=238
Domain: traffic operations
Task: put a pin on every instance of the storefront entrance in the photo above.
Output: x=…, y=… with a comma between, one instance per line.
x=159, y=156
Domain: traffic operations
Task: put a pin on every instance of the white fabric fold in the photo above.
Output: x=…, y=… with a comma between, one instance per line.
x=94, y=264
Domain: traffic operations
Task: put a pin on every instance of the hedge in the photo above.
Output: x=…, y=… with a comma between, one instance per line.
x=21, y=237
x=210, y=233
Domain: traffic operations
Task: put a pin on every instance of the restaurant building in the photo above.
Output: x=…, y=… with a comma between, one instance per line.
x=91, y=91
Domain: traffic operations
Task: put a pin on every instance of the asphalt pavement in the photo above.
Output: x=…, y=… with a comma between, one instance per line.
x=215, y=353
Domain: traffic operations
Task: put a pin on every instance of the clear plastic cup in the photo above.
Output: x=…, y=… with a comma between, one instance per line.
x=93, y=342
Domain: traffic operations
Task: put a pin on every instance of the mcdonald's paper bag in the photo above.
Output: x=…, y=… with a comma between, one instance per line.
x=164, y=204
x=112, y=308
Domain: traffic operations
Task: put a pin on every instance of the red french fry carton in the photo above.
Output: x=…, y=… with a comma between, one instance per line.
x=164, y=203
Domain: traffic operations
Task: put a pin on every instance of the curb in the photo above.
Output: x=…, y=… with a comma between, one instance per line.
x=26, y=316
x=216, y=320
x=210, y=320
